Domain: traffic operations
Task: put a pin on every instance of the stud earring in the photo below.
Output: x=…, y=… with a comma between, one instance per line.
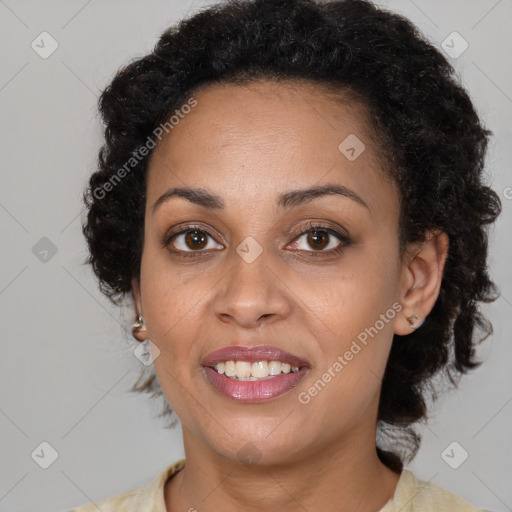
x=414, y=321
x=138, y=326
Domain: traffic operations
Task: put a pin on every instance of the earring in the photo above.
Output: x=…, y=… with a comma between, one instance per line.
x=138, y=325
x=414, y=321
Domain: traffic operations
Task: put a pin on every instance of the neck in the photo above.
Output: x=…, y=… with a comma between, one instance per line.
x=344, y=477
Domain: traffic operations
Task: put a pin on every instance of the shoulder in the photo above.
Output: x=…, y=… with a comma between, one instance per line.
x=413, y=494
x=147, y=497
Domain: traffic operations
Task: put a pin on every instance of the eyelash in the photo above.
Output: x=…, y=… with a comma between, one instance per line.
x=345, y=241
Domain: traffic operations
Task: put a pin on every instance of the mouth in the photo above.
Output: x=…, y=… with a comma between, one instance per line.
x=253, y=374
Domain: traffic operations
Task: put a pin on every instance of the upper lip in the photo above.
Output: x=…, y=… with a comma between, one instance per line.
x=252, y=354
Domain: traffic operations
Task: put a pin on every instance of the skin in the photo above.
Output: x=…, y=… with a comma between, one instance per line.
x=248, y=144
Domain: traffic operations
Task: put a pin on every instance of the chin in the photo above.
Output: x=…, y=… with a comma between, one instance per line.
x=267, y=443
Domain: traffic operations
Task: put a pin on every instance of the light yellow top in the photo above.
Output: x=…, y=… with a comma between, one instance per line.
x=411, y=495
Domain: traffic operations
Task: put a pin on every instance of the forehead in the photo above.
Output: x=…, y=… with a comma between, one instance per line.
x=267, y=137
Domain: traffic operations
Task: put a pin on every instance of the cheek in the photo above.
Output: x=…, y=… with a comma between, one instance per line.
x=362, y=290
x=361, y=317
x=174, y=321
x=170, y=306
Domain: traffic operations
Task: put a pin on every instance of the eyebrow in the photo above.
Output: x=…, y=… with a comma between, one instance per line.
x=287, y=200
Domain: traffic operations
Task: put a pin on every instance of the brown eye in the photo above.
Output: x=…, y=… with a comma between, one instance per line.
x=321, y=241
x=196, y=239
x=191, y=240
x=318, y=239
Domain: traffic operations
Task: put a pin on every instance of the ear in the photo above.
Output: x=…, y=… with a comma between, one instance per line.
x=421, y=278
x=136, y=295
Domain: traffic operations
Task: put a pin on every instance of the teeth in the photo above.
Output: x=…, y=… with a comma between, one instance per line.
x=245, y=370
x=229, y=368
x=274, y=368
x=260, y=369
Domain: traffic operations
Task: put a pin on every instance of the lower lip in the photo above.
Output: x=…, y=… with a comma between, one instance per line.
x=253, y=391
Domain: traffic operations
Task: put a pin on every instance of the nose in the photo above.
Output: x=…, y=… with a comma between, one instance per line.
x=252, y=294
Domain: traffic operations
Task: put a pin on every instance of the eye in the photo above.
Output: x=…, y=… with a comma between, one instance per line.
x=322, y=239
x=194, y=240
x=191, y=239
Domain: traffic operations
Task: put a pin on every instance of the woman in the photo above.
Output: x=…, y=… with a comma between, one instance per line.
x=292, y=194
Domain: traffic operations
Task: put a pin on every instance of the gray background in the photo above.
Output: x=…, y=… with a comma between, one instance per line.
x=66, y=364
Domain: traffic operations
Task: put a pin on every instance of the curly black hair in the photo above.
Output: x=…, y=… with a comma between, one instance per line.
x=432, y=144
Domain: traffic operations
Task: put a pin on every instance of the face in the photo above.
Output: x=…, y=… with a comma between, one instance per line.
x=263, y=264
